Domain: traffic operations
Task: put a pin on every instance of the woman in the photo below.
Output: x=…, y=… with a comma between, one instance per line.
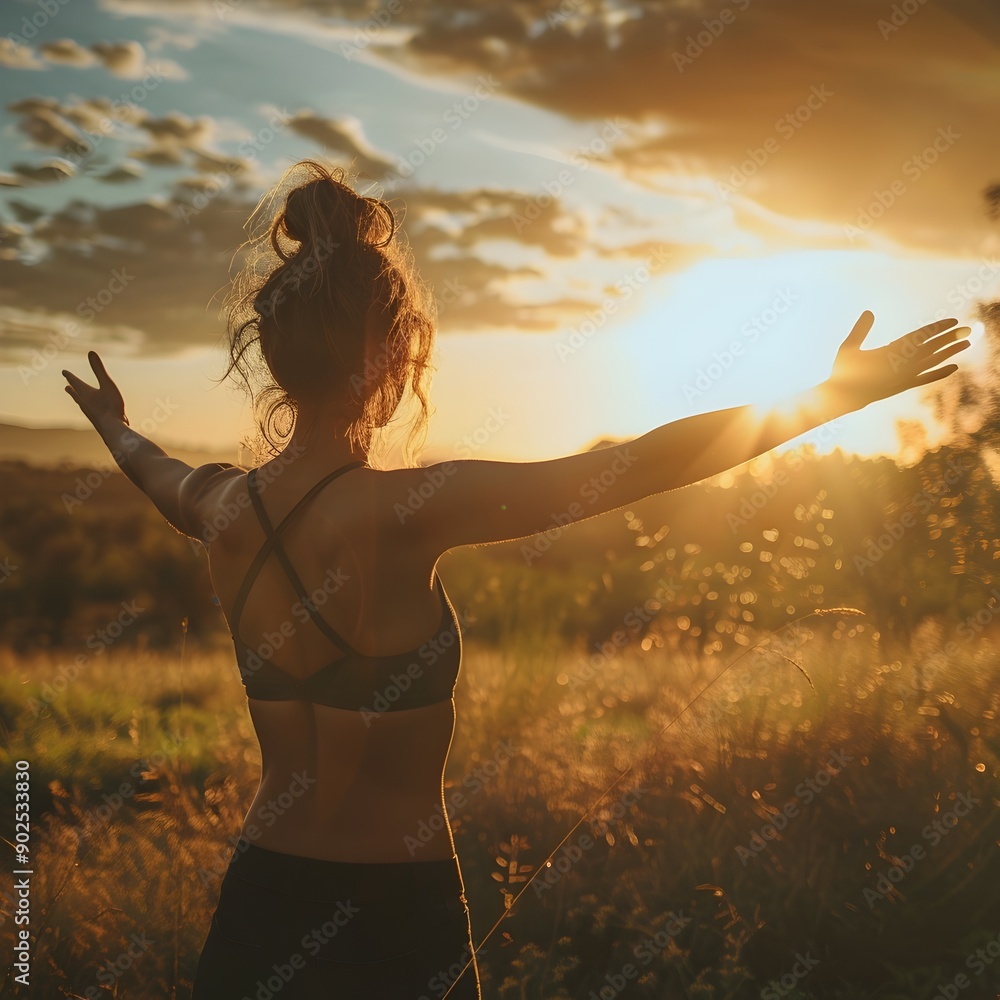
x=346, y=641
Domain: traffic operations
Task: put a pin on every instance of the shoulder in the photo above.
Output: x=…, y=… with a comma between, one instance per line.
x=204, y=498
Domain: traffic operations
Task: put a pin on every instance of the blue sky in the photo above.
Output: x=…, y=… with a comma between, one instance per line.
x=573, y=179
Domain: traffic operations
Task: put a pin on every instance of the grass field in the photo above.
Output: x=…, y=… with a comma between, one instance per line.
x=825, y=832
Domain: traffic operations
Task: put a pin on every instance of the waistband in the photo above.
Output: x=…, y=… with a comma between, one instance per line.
x=317, y=878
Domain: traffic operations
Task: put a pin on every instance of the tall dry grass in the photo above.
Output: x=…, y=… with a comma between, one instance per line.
x=731, y=923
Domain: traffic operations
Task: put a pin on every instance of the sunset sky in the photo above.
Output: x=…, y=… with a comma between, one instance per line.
x=604, y=196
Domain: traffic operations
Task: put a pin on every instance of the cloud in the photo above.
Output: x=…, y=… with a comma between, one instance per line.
x=699, y=95
x=174, y=272
x=178, y=126
x=484, y=214
x=126, y=59
x=24, y=212
x=122, y=174
x=11, y=237
x=41, y=121
x=68, y=52
x=101, y=115
x=343, y=135
x=160, y=38
x=14, y=55
x=47, y=172
x=720, y=96
x=28, y=330
x=180, y=272
x=718, y=91
x=77, y=129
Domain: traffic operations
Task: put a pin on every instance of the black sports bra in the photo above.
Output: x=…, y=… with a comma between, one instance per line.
x=367, y=684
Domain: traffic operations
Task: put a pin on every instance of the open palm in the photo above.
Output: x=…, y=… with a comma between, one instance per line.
x=911, y=360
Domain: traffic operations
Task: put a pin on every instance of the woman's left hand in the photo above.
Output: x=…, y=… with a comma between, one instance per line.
x=101, y=404
x=909, y=361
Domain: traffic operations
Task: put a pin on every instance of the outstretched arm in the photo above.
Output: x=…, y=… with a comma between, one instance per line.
x=176, y=489
x=478, y=502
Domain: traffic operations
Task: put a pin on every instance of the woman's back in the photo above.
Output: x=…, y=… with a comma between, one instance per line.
x=349, y=650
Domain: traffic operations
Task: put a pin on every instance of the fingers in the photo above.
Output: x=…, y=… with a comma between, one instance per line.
x=103, y=378
x=937, y=342
x=934, y=376
x=860, y=330
x=921, y=343
x=75, y=381
x=939, y=349
x=946, y=352
x=923, y=333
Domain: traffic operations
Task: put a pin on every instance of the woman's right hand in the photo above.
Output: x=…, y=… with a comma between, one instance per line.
x=862, y=377
x=101, y=404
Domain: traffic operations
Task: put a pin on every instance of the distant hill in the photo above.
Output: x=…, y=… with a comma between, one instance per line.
x=50, y=447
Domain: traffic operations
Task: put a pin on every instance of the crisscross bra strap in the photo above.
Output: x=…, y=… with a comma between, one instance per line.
x=273, y=541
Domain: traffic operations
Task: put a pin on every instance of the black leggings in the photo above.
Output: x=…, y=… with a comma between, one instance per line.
x=295, y=928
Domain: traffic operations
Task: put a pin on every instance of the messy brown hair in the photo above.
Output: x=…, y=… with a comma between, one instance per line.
x=328, y=304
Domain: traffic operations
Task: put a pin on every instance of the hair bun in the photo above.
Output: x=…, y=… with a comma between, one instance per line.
x=323, y=212
x=314, y=210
